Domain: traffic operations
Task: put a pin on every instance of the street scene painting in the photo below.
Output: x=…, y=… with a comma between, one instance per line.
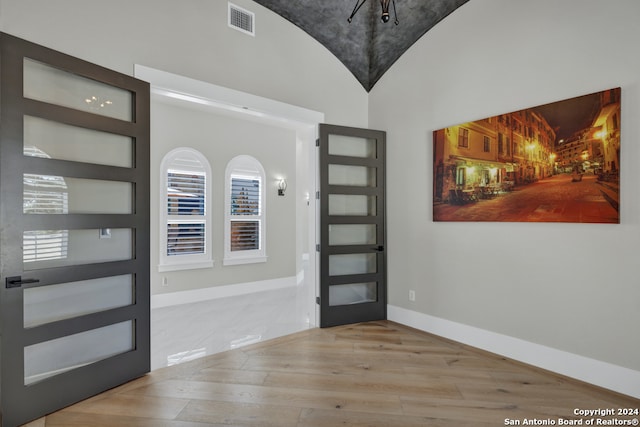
x=558, y=162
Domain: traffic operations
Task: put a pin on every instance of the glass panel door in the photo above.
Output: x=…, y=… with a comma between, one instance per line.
x=74, y=225
x=352, y=256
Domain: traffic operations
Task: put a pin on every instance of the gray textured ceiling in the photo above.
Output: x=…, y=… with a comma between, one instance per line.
x=366, y=46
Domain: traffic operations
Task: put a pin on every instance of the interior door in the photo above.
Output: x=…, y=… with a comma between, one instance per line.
x=352, y=225
x=74, y=230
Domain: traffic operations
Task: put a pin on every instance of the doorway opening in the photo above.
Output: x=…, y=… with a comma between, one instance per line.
x=300, y=127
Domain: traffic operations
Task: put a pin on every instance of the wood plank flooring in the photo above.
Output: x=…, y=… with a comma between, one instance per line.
x=370, y=374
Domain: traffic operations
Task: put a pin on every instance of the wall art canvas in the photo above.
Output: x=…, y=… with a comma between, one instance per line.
x=558, y=162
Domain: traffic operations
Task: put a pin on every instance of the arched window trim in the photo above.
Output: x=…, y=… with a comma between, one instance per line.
x=244, y=167
x=174, y=161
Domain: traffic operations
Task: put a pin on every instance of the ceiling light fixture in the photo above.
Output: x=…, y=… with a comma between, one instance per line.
x=385, y=10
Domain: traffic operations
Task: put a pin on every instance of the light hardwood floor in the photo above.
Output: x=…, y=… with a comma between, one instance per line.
x=370, y=374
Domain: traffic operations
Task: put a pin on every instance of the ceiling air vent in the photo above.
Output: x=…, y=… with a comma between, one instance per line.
x=241, y=19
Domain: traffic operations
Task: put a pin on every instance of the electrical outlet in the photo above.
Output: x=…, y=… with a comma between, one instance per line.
x=412, y=295
x=165, y=282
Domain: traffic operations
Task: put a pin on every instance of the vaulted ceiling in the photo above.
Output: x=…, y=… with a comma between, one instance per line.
x=366, y=46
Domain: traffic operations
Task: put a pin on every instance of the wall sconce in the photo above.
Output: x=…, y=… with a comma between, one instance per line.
x=282, y=186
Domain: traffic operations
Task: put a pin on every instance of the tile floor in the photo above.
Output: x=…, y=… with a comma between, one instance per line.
x=185, y=332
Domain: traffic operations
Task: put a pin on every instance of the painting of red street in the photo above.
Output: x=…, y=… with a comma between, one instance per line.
x=558, y=162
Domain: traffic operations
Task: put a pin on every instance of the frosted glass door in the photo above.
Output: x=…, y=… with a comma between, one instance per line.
x=74, y=230
x=352, y=225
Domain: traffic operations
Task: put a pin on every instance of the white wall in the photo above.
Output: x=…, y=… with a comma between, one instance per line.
x=220, y=138
x=570, y=287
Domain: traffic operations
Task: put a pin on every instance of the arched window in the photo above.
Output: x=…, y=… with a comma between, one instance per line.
x=185, y=224
x=244, y=238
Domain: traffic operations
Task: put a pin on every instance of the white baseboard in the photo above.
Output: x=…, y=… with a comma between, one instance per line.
x=215, y=292
x=602, y=374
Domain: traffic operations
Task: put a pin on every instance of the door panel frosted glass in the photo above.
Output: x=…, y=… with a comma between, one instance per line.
x=341, y=145
x=47, y=304
x=340, y=265
x=352, y=293
x=64, y=248
x=50, y=358
x=350, y=205
x=352, y=234
x=45, y=194
x=53, y=140
x=357, y=176
x=48, y=84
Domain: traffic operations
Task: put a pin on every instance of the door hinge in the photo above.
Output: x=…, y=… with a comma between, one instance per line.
x=317, y=195
x=317, y=248
x=318, y=142
x=318, y=300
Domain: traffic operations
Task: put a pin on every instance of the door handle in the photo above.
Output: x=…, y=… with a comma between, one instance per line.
x=379, y=248
x=17, y=281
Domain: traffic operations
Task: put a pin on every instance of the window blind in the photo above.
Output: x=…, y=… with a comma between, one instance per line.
x=245, y=235
x=245, y=203
x=185, y=193
x=185, y=198
x=245, y=196
x=185, y=239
